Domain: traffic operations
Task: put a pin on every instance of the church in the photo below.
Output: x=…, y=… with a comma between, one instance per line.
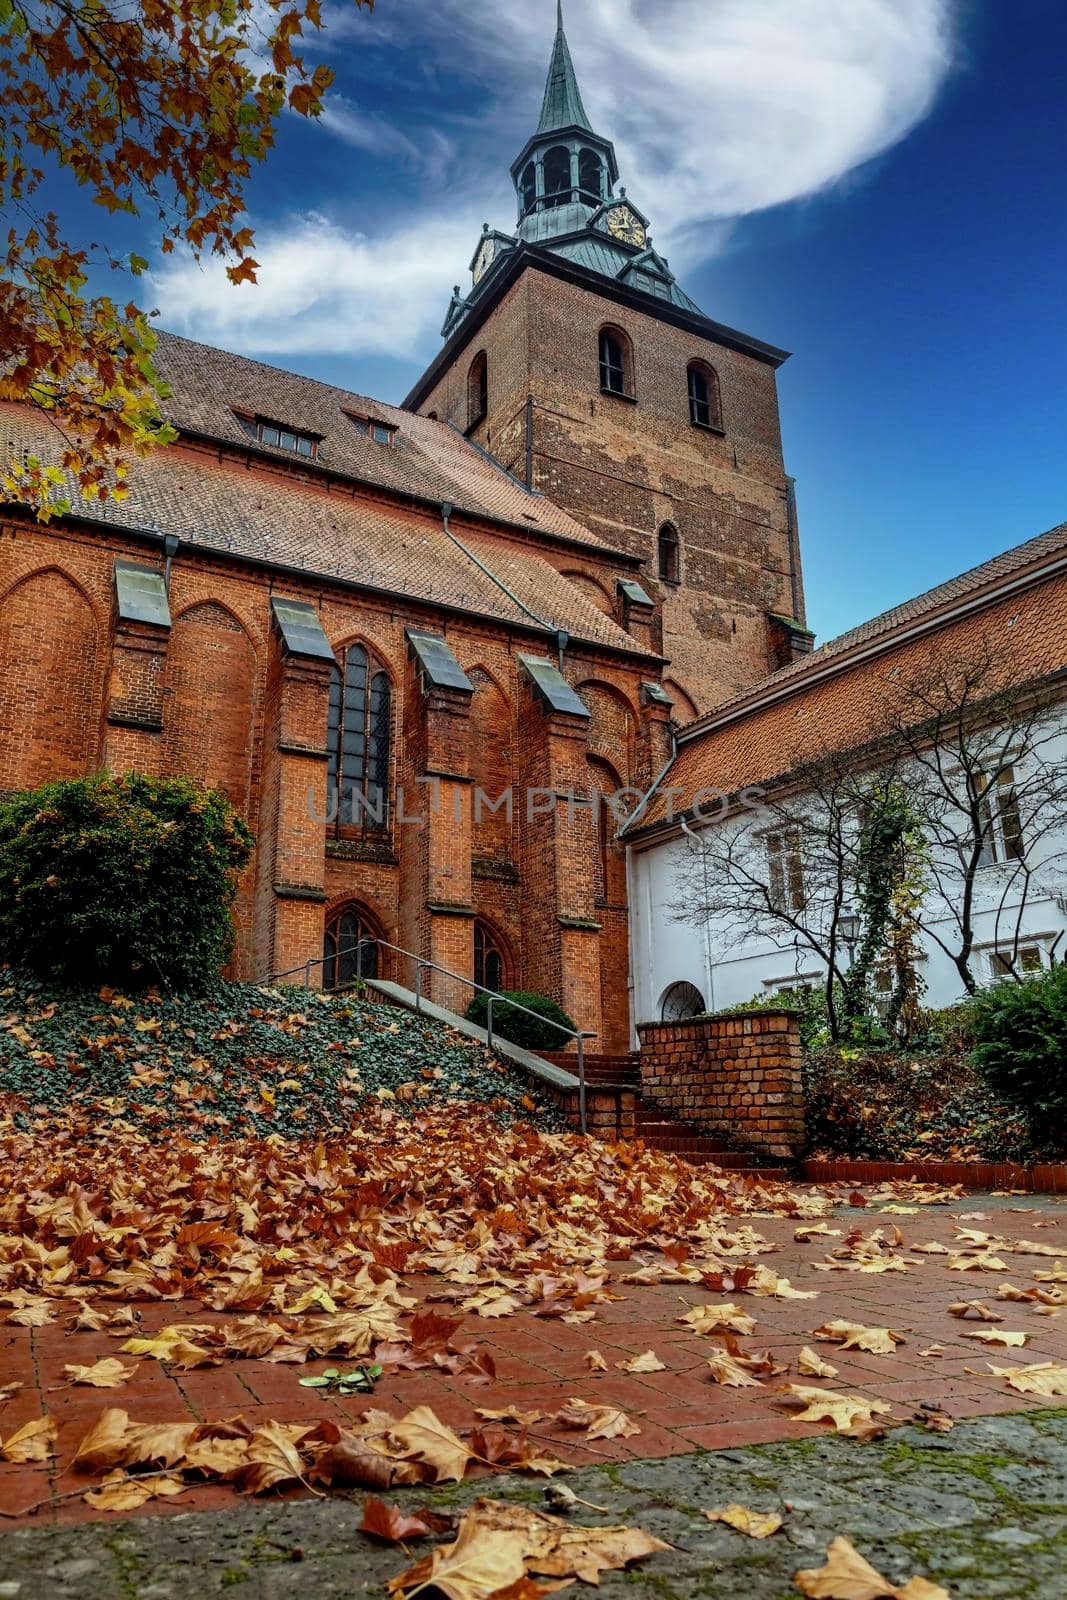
x=416, y=645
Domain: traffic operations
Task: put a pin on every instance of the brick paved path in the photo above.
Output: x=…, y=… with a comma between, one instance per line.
x=539, y=1361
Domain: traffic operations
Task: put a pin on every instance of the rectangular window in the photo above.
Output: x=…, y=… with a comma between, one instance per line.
x=999, y=820
x=786, y=870
x=1029, y=961
x=276, y=437
x=380, y=432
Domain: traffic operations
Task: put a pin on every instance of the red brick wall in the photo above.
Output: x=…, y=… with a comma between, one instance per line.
x=736, y=1075
x=625, y=468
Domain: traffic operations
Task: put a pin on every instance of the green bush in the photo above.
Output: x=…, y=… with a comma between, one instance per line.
x=120, y=879
x=1020, y=1033
x=533, y=1033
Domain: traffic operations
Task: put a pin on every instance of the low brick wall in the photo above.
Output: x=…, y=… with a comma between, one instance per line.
x=738, y=1076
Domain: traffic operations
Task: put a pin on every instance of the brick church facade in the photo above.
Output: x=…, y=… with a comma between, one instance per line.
x=370, y=625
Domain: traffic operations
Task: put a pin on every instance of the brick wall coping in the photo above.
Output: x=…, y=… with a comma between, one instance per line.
x=1040, y=1178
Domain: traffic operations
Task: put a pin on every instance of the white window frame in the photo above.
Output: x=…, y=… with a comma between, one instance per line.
x=784, y=855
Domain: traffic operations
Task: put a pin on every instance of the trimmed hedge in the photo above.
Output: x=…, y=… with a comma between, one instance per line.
x=120, y=879
x=532, y=1033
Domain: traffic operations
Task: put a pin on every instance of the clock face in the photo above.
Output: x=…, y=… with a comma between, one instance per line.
x=484, y=259
x=624, y=225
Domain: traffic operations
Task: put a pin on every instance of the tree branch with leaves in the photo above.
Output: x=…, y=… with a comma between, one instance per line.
x=160, y=109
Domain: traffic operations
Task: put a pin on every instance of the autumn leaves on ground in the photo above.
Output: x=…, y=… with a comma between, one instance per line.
x=277, y=1245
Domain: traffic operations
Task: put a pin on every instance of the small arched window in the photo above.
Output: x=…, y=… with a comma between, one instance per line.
x=616, y=362
x=349, y=950
x=558, y=176
x=680, y=1002
x=528, y=188
x=490, y=959
x=358, y=736
x=668, y=553
x=477, y=389
x=705, y=410
x=590, y=180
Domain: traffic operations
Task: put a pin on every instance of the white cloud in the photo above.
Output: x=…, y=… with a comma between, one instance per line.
x=322, y=290
x=718, y=108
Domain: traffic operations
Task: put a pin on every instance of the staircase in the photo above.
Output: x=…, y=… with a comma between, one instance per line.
x=621, y=1075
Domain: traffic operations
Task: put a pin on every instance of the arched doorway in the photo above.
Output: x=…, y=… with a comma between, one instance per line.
x=347, y=955
x=491, y=964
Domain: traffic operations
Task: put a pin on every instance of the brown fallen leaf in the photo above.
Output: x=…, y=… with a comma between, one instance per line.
x=966, y=1308
x=31, y=1443
x=271, y=1458
x=480, y=1562
x=525, y=1419
x=714, y=1318
x=1002, y=1336
x=845, y=1411
x=1044, y=1377
x=422, y=1436
x=595, y=1361
x=729, y=1370
x=649, y=1362
x=390, y=1523
x=119, y=1492
x=935, y=1420
x=8, y=1390
x=599, y=1422
x=854, y=1336
x=106, y=1374
x=847, y=1576
x=352, y=1463
x=813, y=1366
x=757, y=1524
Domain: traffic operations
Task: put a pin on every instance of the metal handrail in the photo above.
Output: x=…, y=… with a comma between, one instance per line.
x=421, y=962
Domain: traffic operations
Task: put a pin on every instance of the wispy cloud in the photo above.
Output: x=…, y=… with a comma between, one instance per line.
x=719, y=108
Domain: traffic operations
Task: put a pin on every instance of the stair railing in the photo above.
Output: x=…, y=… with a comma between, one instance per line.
x=422, y=964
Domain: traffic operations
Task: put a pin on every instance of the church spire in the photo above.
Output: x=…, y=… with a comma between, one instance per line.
x=562, y=106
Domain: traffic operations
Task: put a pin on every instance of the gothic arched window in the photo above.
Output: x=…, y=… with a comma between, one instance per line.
x=590, y=180
x=528, y=188
x=616, y=362
x=705, y=410
x=358, y=735
x=668, y=553
x=558, y=176
x=348, y=954
x=477, y=389
x=490, y=958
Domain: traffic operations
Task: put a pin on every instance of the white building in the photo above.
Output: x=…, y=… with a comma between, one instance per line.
x=725, y=823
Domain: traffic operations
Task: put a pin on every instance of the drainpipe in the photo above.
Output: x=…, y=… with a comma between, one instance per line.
x=171, y=546
x=562, y=638
x=709, y=969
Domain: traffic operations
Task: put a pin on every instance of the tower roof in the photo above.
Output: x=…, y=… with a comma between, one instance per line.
x=562, y=106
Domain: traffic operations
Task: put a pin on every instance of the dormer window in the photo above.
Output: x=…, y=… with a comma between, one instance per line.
x=277, y=436
x=380, y=432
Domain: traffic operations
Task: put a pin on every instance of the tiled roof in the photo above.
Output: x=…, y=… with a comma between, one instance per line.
x=1025, y=634
x=1033, y=553
x=337, y=532
x=429, y=459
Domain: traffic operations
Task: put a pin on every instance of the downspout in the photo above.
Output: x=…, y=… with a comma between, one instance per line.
x=171, y=546
x=563, y=638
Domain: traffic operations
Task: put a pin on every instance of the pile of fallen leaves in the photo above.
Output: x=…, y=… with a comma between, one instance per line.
x=889, y=1105
x=232, y=1061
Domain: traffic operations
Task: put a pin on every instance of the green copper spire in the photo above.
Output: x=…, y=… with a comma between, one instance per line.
x=563, y=103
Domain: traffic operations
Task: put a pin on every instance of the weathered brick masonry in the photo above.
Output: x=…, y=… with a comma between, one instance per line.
x=736, y=1075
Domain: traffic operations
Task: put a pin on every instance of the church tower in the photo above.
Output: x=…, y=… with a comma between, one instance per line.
x=577, y=360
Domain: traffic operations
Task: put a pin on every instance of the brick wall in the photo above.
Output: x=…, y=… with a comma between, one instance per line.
x=737, y=1075
x=624, y=467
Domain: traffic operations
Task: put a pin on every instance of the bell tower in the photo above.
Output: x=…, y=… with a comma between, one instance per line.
x=577, y=360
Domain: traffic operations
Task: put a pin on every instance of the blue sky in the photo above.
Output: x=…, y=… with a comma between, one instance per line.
x=876, y=185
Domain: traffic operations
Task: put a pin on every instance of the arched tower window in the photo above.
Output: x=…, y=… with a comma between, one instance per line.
x=668, y=552
x=477, y=389
x=609, y=869
x=705, y=410
x=358, y=735
x=490, y=958
x=528, y=188
x=590, y=176
x=347, y=955
x=616, y=362
x=558, y=176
